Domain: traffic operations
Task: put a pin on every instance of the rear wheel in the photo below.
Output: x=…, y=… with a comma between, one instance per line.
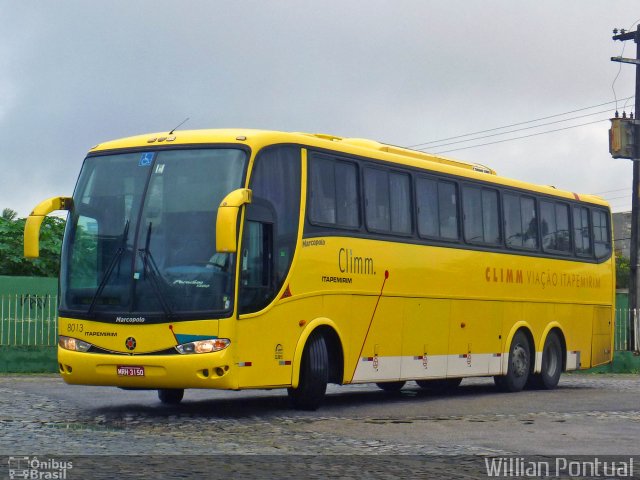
x=549, y=375
x=391, y=386
x=440, y=385
x=314, y=375
x=519, y=365
x=170, y=396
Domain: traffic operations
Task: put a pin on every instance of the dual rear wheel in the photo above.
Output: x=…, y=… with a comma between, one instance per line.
x=521, y=365
x=549, y=375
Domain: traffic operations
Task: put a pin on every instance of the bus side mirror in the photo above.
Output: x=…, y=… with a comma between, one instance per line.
x=34, y=222
x=227, y=220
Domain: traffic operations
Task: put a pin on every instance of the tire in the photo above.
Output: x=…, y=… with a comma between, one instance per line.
x=170, y=396
x=519, y=365
x=391, y=386
x=440, y=385
x=551, y=369
x=314, y=375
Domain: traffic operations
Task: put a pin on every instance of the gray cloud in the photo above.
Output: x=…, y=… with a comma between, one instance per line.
x=76, y=73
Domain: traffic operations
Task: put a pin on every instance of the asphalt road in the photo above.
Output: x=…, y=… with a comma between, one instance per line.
x=360, y=429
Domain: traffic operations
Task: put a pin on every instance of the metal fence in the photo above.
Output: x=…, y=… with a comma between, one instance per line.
x=30, y=320
x=622, y=334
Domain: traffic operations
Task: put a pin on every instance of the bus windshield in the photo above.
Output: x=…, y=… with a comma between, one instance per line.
x=141, y=236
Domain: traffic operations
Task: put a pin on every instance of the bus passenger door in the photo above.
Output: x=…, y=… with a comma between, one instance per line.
x=256, y=260
x=259, y=343
x=267, y=328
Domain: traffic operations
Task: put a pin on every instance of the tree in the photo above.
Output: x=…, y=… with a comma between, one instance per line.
x=12, y=261
x=9, y=214
x=623, y=270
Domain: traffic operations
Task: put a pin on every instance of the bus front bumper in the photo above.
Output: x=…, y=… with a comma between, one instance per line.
x=206, y=370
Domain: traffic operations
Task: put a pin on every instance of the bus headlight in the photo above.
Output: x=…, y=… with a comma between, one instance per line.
x=74, y=344
x=204, y=346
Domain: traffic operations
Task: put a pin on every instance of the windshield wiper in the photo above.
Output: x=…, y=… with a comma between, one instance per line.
x=112, y=264
x=150, y=268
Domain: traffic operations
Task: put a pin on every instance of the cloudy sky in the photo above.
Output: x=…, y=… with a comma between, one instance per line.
x=405, y=72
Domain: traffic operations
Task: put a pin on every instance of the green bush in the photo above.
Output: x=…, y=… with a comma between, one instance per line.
x=12, y=261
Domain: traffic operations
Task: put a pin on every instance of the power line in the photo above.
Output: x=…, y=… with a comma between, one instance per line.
x=519, y=129
x=620, y=208
x=617, y=198
x=612, y=191
x=521, y=137
x=517, y=124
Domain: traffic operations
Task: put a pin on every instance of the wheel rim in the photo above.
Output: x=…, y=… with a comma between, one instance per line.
x=520, y=362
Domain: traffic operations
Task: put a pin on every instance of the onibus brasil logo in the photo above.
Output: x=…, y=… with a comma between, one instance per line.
x=38, y=469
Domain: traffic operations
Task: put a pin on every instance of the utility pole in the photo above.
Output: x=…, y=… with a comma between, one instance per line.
x=624, y=143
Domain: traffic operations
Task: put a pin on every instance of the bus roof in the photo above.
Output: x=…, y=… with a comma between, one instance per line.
x=257, y=139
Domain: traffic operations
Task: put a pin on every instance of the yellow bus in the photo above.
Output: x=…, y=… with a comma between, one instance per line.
x=239, y=259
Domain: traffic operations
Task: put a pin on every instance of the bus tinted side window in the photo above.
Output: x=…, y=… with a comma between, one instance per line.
x=333, y=192
x=322, y=202
x=448, y=206
x=347, y=194
x=400, y=202
x=387, y=201
x=554, y=226
x=581, y=231
x=427, y=208
x=481, y=215
x=520, y=222
x=437, y=209
x=601, y=234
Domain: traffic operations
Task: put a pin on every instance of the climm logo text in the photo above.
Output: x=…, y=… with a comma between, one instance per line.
x=350, y=263
x=503, y=275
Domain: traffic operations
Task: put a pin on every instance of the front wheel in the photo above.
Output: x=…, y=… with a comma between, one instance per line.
x=549, y=375
x=519, y=365
x=314, y=375
x=170, y=396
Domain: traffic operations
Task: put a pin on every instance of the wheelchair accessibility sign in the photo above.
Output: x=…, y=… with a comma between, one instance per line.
x=146, y=159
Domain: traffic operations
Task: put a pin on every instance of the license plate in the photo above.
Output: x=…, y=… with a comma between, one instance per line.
x=128, y=371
